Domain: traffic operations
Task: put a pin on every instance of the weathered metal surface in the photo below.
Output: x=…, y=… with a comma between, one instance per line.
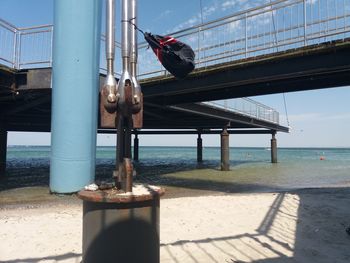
x=107, y=120
x=125, y=173
x=137, y=119
x=121, y=231
x=117, y=196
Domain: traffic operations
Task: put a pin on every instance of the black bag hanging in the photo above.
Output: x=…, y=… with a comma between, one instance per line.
x=175, y=56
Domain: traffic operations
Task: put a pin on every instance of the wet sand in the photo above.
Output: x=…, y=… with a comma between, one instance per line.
x=306, y=225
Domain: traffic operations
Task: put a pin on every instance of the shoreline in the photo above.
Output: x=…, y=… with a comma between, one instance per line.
x=40, y=196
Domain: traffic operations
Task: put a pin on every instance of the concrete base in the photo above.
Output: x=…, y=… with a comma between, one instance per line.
x=273, y=149
x=120, y=227
x=3, y=151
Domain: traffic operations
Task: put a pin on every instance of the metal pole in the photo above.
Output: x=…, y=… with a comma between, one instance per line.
x=14, y=48
x=125, y=78
x=305, y=25
x=127, y=138
x=225, y=150
x=246, y=36
x=120, y=151
x=199, y=148
x=110, y=84
x=18, y=46
x=136, y=91
x=136, y=148
x=273, y=148
x=3, y=151
x=75, y=85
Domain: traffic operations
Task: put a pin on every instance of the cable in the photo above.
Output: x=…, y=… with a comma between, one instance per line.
x=276, y=41
x=285, y=108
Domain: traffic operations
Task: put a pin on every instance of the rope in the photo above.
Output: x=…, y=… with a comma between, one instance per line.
x=135, y=26
x=201, y=9
x=285, y=108
x=276, y=41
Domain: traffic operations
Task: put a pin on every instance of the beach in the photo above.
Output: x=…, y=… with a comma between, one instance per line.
x=306, y=225
x=293, y=211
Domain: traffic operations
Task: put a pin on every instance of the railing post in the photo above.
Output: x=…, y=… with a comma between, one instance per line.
x=199, y=44
x=305, y=25
x=14, y=49
x=51, y=46
x=246, y=35
x=17, y=49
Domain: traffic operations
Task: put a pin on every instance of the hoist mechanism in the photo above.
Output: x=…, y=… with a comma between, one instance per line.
x=123, y=100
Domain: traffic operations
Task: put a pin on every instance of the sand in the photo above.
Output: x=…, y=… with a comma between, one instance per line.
x=303, y=226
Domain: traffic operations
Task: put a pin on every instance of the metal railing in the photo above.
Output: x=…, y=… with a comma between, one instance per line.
x=25, y=47
x=248, y=107
x=277, y=26
x=8, y=43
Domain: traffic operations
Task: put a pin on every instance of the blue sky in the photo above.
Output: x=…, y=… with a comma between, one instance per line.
x=319, y=118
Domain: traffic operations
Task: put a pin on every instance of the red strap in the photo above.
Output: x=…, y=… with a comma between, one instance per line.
x=167, y=40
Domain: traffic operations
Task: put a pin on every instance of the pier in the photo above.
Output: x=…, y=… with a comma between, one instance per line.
x=287, y=57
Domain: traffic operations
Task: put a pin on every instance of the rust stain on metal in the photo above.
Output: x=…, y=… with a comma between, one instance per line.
x=118, y=196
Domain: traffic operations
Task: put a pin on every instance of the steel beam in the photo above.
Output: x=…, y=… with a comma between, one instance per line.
x=75, y=85
x=188, y=132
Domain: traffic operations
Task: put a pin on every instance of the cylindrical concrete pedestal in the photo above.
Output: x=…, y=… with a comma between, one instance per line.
x=273, y=149
x=121, y=227
x=225, y=150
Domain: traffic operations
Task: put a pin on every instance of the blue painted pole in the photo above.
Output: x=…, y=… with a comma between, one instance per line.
x=75, y=87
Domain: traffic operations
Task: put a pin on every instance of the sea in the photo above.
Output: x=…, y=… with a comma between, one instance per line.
x=251, y=169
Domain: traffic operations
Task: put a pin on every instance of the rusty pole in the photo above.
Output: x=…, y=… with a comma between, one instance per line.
x=136, y=148
x=199, y=148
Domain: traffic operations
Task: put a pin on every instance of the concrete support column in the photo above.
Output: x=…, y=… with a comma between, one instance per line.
x=225, y=151
x=75, y=87
x=273, y=148
x=3, y=151
x=199, y=149
x=136, y=148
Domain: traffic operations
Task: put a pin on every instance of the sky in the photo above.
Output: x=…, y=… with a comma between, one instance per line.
x=318, y=118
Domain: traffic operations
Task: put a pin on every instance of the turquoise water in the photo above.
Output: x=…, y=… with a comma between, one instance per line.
x=177, y=166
